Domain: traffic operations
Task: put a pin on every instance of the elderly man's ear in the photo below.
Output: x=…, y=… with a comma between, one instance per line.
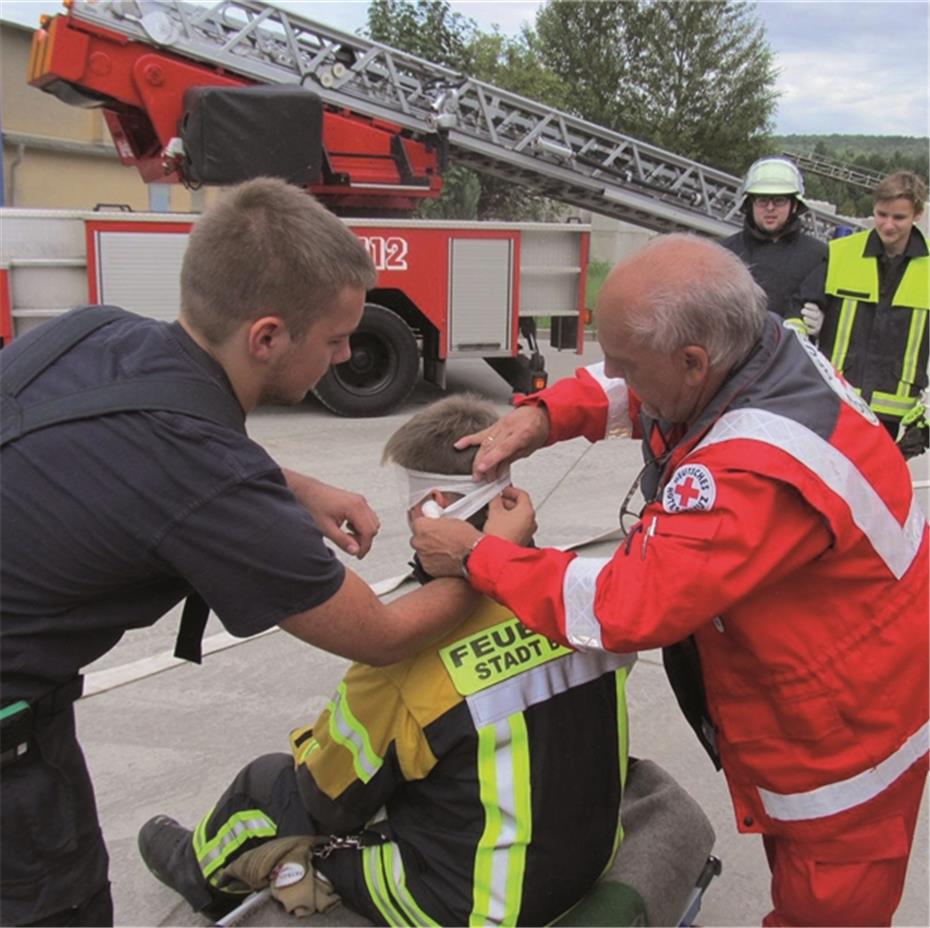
x=696, y=364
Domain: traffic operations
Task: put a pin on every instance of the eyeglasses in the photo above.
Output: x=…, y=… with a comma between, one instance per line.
x=771, y=201
x=627, y=513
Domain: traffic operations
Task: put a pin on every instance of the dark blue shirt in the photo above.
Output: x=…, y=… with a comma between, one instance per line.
x=107, y=523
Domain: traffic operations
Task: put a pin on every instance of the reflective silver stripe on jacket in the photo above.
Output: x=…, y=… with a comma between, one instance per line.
x=536, y=685
x=578, y=586
x=618, y=401
x=845, y=794
x=895, y=544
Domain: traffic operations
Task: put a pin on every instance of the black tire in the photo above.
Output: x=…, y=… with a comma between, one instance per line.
x=383, y=369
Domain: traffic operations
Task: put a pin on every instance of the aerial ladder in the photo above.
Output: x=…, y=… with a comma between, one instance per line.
x=835, y=170
x=216, y=93
x=437, y=113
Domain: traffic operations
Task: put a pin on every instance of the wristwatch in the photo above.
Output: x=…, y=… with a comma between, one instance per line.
x=474, y=545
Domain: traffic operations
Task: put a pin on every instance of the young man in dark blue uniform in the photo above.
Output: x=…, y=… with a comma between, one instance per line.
x=111, y=518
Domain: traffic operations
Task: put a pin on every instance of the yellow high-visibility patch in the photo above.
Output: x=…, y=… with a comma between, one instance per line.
x=497, y=653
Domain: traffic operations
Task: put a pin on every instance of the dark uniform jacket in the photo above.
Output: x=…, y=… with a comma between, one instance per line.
x=779, y=266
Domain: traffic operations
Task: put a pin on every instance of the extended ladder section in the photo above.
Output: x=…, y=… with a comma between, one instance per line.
x=827, y=167
x=487, y=128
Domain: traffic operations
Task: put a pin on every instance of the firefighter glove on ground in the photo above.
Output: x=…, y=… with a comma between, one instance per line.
x=285, y=865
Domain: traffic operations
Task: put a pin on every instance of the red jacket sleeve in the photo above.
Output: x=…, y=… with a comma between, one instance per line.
x=576, y=406
x=675, y=572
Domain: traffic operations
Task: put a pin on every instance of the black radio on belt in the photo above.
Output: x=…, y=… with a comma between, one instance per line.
x=15, y=730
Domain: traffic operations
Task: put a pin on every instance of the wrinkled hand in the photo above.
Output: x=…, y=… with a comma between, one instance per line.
x=512, y=516
x=442, y=544
x=812, y=315
x=332, y=508
x=516, y=435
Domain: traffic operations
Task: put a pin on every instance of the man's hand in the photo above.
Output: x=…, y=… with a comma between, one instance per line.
x=511, y=516
x=332, y=508
x=516, y=435
x=812, y=315
x=442, y=544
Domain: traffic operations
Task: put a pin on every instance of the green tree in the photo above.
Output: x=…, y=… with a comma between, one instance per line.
x=694, y=77
x=426, y=28
x=430, y=30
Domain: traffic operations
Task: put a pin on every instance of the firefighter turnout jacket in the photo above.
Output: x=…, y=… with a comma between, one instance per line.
x=875, y=326
x=490, y=753
x=781, y=531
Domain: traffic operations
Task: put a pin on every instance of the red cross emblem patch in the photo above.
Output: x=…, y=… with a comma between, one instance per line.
x=692, y=487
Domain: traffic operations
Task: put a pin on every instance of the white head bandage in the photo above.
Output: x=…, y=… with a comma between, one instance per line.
x=475, y=495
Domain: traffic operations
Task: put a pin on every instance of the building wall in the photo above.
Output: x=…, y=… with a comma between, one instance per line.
x=60, y=156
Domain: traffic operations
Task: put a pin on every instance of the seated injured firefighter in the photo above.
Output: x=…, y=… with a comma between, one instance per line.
x=464, y=775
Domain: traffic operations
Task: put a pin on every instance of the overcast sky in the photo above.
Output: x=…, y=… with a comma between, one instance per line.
x=845, y=66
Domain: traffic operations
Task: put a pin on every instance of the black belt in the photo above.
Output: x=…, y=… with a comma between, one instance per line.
x=20, y=719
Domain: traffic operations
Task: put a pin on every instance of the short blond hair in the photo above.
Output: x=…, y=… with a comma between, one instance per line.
x=902, y=185
x=267, y=247
x=425, y=441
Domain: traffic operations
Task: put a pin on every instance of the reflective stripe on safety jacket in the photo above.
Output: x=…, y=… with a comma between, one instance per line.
x=882, y=349
x=816, y=674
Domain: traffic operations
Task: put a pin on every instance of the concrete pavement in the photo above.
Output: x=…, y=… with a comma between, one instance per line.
x=170, y=741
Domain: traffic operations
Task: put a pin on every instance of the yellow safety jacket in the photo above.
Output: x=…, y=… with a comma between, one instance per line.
x=879, y=343
x=484, y=752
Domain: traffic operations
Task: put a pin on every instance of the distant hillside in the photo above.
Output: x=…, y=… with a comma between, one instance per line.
x=881, y=154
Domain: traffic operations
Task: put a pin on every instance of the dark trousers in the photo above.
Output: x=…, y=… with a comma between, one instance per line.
x=269, y=784
x=53, y=862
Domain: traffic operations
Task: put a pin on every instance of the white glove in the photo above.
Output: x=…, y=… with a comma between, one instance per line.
x=812, y=315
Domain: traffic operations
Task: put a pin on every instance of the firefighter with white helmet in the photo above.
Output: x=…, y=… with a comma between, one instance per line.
x=779, y=255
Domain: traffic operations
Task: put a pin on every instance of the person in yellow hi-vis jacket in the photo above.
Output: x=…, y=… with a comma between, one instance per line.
x=876, y=299
x=481, y=779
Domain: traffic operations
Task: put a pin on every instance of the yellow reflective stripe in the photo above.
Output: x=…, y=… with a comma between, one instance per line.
x=843, y=333
x=623, y=728
x=307, y=749
x=891, y=404
x=238, y=828
x=377, y=886
x=346, y=730
x=623, y=750
x=484, y=855
x=505, y=792
x=915, y=338
x=393, y=867
x=796, y=323
x=523, y=813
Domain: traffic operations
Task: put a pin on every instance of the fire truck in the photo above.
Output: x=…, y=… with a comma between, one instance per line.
x=213, y=94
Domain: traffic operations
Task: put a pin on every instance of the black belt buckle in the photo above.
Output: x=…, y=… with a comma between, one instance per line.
x=16, y=725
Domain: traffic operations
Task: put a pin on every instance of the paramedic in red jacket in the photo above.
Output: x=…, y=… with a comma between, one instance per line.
x=780, y=559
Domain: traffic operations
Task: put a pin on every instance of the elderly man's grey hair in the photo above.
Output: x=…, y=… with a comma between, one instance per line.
x=717, y=306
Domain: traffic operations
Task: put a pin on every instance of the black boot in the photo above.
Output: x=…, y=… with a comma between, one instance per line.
x=168, y=852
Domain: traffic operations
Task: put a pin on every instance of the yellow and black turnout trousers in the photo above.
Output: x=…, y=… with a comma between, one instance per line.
x=492, y=763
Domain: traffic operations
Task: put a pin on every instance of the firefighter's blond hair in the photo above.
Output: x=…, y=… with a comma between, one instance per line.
x=268, y=248
x=425, y=441
x=902, y=185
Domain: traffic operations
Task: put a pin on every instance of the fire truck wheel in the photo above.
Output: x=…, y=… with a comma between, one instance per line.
x=383, y=369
